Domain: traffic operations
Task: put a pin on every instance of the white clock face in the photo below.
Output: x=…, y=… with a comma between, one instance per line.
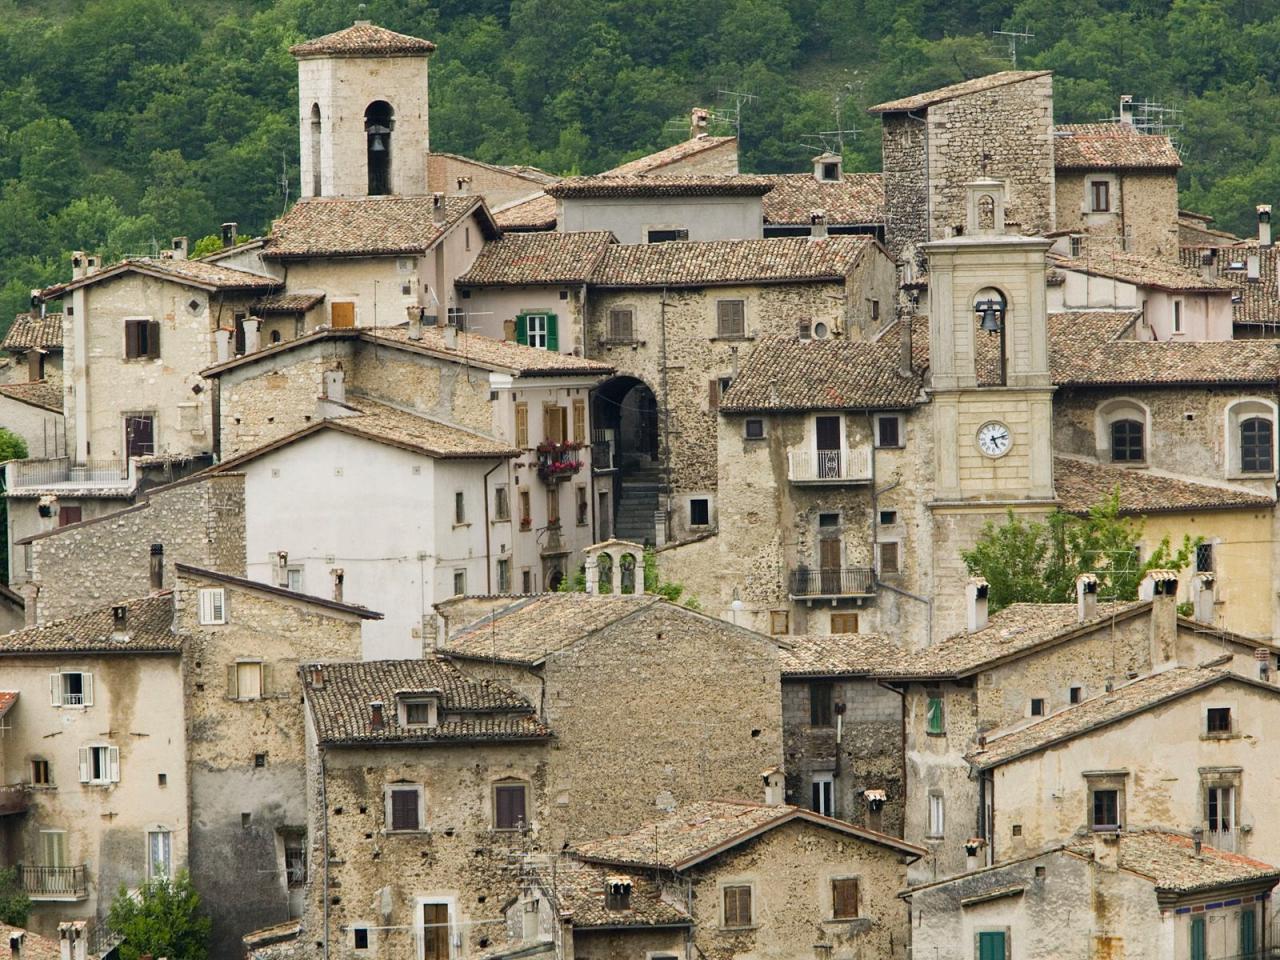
x=994, y=438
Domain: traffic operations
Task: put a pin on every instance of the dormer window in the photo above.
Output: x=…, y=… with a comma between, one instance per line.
x=418, y=712
x=617, y=894
x=831, y=171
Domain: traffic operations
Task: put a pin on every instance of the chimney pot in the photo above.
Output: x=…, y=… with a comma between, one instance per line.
x=252, y=335
x=157, y=566
x=698, y=118
x=317, y=677
x=339, y=578
x=179, y=248
x=415, y=321
x=1197, y=839
x=375, y=715
x=774, y=787
x=817, y=224
x=1086, y=597
x=222, y=344
x=1126, y=108
x=1264, y=225
x=1161, y=588
x=230, y=234
x=976, y=594
x=437, y=208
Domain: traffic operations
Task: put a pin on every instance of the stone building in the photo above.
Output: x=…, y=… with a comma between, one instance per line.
x=245, y=736
x=34, y=412
x=96, y=790
x=34, y=340
x=1250, y=267
x=802, y=204
x=501, y=186
x=760, y=879
x=1117, y=188
x=704, y=708
x=934, y=143
x=1148, y=893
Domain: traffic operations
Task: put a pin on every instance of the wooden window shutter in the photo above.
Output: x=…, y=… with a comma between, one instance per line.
x=85, y=769
x=266, y=680
x=131, y=339
x=113, y=764
x=844, y=899
x=404, y=809
x=579, y=421
x=553, y=333
x=55, y=689
x=342, y=314
x=233, y=682
x=153, y=339
x=522, y=425
x=522, y=329
x=713, y=394
x=86, y=689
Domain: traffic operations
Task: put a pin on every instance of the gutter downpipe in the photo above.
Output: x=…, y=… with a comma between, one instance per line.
x=324, y=838
x=488, y=559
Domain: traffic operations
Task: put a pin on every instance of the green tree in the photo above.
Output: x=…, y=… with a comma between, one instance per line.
x=163, y=920
x=15, y=905
x=1033, y=561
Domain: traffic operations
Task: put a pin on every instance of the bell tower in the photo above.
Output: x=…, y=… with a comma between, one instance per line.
x=362, y=112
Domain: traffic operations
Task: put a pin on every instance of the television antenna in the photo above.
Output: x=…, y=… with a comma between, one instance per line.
x=1010, y=38
x=832, y=141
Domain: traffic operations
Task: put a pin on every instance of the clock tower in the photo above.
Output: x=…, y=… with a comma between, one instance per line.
x=992, y=396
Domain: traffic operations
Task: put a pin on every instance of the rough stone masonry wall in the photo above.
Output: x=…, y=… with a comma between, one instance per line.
x=657, y=709
x=235, y=865
x=96, y=563
x=441, y=389
x=1145, y=205
x=906, y=181
x=790, y=870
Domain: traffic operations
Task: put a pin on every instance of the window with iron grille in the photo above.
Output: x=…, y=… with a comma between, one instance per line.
x=1204, y=558
x=1127, y=442
x=1256, y=445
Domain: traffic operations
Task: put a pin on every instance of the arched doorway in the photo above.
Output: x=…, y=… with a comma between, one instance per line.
x=379, y=121
x=627, y=444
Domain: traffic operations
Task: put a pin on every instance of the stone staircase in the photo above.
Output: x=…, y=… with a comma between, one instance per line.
x=641, y=488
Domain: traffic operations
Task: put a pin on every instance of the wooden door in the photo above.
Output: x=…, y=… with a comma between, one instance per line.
x=435, y=931
x=827, y=430
x=829, y=564
x=342, y=314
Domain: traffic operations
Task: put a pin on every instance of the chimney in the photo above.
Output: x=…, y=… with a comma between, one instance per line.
x=1208, y=260
x=335, y=387
x=1264, y=225
x=73, y=941
x=230, y=234
x=464, y=186
x=119, y=621
x=415, y=313
x=972, y=847
x=1252, y=268
x=698, y=118
x=338, y=578
x=179, y=248
x=282, y=568
x=1262, y=656
x=1197, y=840
x=975, y=593
x=15, y=942
x=92, y=263
x=775, y=787
x=222, y=344
x=817, y=224
x=1086, y=597
x=1126, y=108
x=375, y=715
x=1202, y=597
x=78, y=261
x=828, y=168
x=157, y=566
x=904, y=359
x=1161, y=588
x=450, y=334
x=1106, y=849
x=437, y=208
x=252, y=337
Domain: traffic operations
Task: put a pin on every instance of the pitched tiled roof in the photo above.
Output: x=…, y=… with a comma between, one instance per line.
x=362, y=226
x=525, y=361
x=149, y=629
x=663, y=158
x=529, y=628
x=579, y=889
x=536, y=213
x=1122, y=702
x=708, y=262
x=842, y=654
x=702, y=829
x=287, y=303
x=255, y=586
x=1099, y=146
x=1143, y=271
x=32, y=331
x=1081, y=484
x=363, y=39
x=1255, y=301
x=832, y=374
x=659, y=186
x=1166, y=363
x=538, y=258
x=7, y=699
x=857, y=198
x=39, y=393
x=197, y=273
x=1169, y=860
x=977, y=85
x=1012, y=632
x=469, y=709
x=34, y=946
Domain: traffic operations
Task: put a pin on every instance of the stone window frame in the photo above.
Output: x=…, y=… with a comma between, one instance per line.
x=977, y=940
x=148, y=831
x=1234, y=416
x=611, y=334
x=902, y=431
x=387, y=789
x=1113, y=195
x=831, y=897
x=211, y=606
x=1116, y=409
x=649, y=228
x=1233, y=727
x=405, y=700
x=764, y=428
x=827, y=777
x=370, y=933
x=1221, y=777
x=779, y=617
x=719, y=334
x=494, y=785
x=1101, y=780
x=880, y=566
x=708, y=500
x=748, y=882
x=940, y=832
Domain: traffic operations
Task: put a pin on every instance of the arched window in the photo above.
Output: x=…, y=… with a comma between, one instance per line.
x=628, y=567
x=986, y=212
x=604, y=573
x=1127, y=441
x=316, y=188
x=379, y=121
x=1256, y=445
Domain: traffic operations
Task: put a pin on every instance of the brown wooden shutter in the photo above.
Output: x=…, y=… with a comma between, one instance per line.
x=844, y=898
x=522, y=425
x=737, y=906
x=713, y=394
x=404, y=809
x=342, y=314
x=435, y=922
x=131, y=339
x=510, y=806
x=153, y=339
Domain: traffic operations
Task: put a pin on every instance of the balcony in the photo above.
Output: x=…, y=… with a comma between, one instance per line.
x=829, y=466
x=54, y=883
x=558, y=461
x=602, y=447
x=62, y=473
x=832, y=582
x=13, y=799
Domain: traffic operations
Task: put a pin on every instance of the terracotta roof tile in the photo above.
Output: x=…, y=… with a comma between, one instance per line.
x=538, y=258
x=530, y=628
x=704, y=263
x=363, y=39
x=287, y=303
x=580, y=887
x=1134, y=697
x=831, y=374
x=955, y=90
x=664, y=158
x=199, y=273
x=536, y=213
x=1254, y=301
x=34, y=946
x=1103, y=146
x=469, y=709
x=32, y=331
x=659, y=186
x=700, y=829
x=361, y=226
x=1137, y=363
x=444, y=441
x=1143, y=271
x=38, y=393
x=1081, y=484
x=842, y=654
x=857, y=198
x=525, y=361
x=1169, y=860
x=7, y=699
x=149, y=630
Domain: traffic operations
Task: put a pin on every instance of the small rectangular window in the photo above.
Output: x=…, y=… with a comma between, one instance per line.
x=731, y=319
x=699, y=512
x=1075, y=695
x=779, y=622
x=888, y=518
x=1100, y=196
x=504, y=575
x=1106, y=810
x=666, y=235
x=935, y=721
x=821, y=697
x=875, y=309
x=41, y=774
x=537, y=325
x=69, y=514
x=522, y=425
x=245, y=680
x=1219, y=720
x=360, y=938
x=622, y=324
x=141, y=339
x=404, y=807
x=501, y=504
x=844, y=623
x=526, y=512
x=1037, y=706
x=822, y=794
x=293, y=579
x=580, y=421
x=555, y=423
x=1204, y=558
x=737, y=906
x=844, y=899
x=753, y=428
x=459, y=582
x=937, y=815
x=1177, y=316
x=889, y=557
x=887, y=432
x=100, y=764
x=459, y=507
x=213, y=606
x=159, y=854
x=419, y=713
x=526, y=581
x=1077, y=245
x=510, y=810
x=553, y=505
x=583, y=505
x=71, y=689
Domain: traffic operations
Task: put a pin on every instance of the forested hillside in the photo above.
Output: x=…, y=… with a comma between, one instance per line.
x=123, y=122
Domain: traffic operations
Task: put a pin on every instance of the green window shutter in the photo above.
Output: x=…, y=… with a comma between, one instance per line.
x=522, y=329
x=934, y=718
x=991, y=945
x=1197, y=938
x=1248, y=935
x=553, y=333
